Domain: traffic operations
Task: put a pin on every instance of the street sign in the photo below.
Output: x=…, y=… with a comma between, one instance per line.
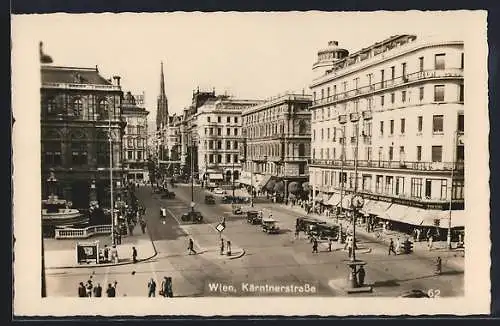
x=220, y=227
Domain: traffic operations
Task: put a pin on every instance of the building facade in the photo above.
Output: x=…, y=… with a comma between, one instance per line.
x=80, y=110
x=396, y=108
x=278, y=139
x=135, y=138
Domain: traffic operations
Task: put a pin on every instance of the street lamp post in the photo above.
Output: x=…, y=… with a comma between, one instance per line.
x=232, y=174
x=342, y=158
x=251, y=183
x=192, y=175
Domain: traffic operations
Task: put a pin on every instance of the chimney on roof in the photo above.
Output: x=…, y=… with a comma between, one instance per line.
x=116, y=80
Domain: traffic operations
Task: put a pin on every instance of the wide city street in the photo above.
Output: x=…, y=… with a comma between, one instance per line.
x=277, y=259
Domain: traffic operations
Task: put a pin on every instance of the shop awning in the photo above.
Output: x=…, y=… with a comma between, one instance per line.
x=334, y=200
x=457, y=218
x=263, y=182
x=375, y=207
x=215, y=176
x=404, y=214
x=322, y=198
x=244, y=180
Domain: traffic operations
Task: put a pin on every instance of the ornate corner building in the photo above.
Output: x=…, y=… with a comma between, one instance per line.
x=397, y=109
x=277, y=136
x=81, y=118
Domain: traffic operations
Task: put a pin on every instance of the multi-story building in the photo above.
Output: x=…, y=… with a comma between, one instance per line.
x=397, y=107
x=80, y=110
x=218, y=129
x=278, y=139
x=135, y=138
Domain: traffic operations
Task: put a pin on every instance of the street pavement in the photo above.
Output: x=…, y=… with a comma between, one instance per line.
x=261, y=259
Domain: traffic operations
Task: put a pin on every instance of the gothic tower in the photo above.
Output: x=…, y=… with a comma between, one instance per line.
x=162, y=104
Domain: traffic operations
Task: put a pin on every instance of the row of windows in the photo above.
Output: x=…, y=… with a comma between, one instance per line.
x=420, y=188
x=218, y=144
x=210, y=131
x=272, y=150
x=437, y=127
x=139, y=155
x=132, y=130
x=273, y=168
x=219, y=119
x=52, y=154
x=136, y=143
x=404, y=96
x=436, y=153
x=102, y=111
x=217, y=158
x=265, y=115
x=439, y=64
x=271, y=129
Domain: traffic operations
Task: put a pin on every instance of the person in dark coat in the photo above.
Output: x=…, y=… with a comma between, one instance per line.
x=391, y=248
x=191, y=247
x=111, y=290
x=82, y=291
x=134, y=255
x=98, y=291
x=151, y=288
x=106, y=253
x=361, y=276
x=143, y=225
x=315, y=246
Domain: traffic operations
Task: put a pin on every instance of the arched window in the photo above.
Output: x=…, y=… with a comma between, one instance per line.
x=77, y=107
x=102, y=109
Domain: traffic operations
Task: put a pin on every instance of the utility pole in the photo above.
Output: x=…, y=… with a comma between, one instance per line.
x=448, y=237
x=342, y=158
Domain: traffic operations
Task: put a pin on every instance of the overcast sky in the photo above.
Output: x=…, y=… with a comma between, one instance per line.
x=249, y=55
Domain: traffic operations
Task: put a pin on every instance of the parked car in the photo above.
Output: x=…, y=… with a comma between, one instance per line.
x=253, y=217
x=192, y=216
x=304, y=223
x=236, y=210
x=270, y=226
x=219, y=191
x=209, y=200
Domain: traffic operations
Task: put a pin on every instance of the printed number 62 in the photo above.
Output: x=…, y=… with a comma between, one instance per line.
x=434, y=293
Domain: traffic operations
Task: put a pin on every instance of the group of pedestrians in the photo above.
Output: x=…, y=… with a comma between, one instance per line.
x=165, y=288
x=88, y=290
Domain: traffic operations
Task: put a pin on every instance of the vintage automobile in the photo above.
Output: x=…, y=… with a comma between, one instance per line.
x=253, y=217
x=236, y=209
x=219, y=191
x=209, y=200
x=324, y=231
x=192, y=216
x=270, y=226
x=166, y=194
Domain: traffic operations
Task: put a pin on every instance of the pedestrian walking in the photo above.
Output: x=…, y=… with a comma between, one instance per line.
x=329, y=244
x=191, y=247
x=361, y=276
x=98, y=291
x=151, y=288
x=114, y=254
x=398, y=245
x=106, y=253
x=111, y=290
x=297, y=232
x=88, y=288
x=222, y=246
x=349, y=246
x=438, y=266
x=169, y=288
x=131, y=228
x=82, y=291
x=119, y=238
x=431, y=241
x=315, y=246
x=164, y=287
x=143, y=225
x=391, y=248
x=134, y=255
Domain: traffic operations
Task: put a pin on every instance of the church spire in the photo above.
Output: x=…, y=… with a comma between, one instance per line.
x=162, y=105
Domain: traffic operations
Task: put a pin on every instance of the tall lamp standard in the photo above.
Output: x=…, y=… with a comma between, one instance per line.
x=342, y=158
x=251, y=182
x=192, y=174
x=232, y=174
x=357, y=202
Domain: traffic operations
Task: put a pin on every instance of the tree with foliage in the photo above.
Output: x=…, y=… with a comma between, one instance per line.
x=270, y=185
x=293, y=187
x=279, y=187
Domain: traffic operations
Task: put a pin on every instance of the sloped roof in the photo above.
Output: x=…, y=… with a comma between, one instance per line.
x=72, y=75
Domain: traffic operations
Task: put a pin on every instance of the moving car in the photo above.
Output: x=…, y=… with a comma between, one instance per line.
x=270, y=226
x=192, y=216
x=219, y=191
x=209, y=200
x=236, y=210
x=253, y=217
x=304, y=223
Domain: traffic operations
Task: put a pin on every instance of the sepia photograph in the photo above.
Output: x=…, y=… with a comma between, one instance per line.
x=251, y=163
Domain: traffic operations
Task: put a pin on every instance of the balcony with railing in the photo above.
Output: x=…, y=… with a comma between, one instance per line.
x=451, y=73
x=400, y=165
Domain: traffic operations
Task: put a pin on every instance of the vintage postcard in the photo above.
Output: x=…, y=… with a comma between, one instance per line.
x=293, y=163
